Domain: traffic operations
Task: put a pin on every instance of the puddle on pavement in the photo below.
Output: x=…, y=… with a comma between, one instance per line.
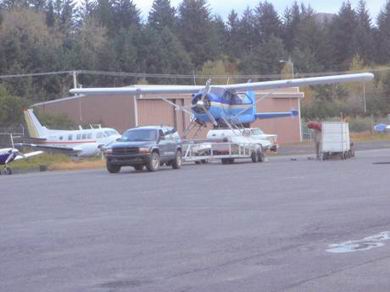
x=364, y=244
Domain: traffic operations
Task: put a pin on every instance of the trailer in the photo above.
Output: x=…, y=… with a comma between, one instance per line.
x=335, y=140
x=201, y=151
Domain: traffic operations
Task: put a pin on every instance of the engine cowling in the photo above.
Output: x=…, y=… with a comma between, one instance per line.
x=89, y=149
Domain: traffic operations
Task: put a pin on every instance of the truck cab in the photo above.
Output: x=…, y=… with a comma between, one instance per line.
x=150, y=147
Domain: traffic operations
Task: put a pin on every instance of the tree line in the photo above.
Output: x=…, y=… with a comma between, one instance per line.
x=110, y=35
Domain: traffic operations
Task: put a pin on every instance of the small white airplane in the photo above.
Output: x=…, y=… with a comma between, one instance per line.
x=7, y=155
x=80, y=143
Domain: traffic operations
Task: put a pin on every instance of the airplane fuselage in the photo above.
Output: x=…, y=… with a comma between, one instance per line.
x=237, y=108
x=86, y=142
x=5, y=155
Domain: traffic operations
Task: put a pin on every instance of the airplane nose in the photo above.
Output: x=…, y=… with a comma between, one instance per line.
x=200, y=103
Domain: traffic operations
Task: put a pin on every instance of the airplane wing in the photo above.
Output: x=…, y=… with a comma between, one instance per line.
x=345, y=78
x=28, y=155
x=50, y=148
x=139, y=89
x=265, y=85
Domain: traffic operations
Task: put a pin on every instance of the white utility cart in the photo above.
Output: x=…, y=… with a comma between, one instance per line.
x=335, y=140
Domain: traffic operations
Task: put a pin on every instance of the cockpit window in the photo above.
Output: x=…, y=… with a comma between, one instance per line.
x=140, y=135
x=109, y=133
x=257, y=132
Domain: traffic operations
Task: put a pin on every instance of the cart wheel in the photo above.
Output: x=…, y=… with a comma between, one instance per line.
x=260, y=155
x=254, y=157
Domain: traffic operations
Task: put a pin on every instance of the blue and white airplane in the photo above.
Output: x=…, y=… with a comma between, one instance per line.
x=221, y=105
x=7, y=155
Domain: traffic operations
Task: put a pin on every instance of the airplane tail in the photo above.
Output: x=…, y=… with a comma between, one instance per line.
x=35, y=128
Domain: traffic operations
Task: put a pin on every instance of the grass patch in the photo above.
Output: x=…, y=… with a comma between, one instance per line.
x=58, y=162
x=368, y=136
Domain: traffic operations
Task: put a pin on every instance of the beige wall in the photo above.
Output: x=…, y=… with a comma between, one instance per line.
x=116, y=112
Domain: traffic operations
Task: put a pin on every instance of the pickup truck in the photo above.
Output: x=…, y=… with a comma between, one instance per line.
x=150, y=147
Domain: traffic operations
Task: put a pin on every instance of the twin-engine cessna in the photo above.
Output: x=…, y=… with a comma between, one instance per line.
x=81, y=143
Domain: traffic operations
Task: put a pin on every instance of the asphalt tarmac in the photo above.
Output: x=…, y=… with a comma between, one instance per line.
x=243, y=227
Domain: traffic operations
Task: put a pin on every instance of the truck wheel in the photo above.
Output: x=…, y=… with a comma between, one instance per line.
x=139, y=167
x=254, y=157
x=154, y=162
x=176, y=164
x=112, y=168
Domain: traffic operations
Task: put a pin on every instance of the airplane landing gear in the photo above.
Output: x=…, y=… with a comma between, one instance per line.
x=6, y=171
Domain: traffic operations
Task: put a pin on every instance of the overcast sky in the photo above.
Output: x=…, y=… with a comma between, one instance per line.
x=223, y=7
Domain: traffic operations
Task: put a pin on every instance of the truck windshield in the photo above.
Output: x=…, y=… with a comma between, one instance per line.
x=139, y=135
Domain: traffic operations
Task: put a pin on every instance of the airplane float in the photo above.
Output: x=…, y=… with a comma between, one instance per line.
x=80, y=143
x=232, y=105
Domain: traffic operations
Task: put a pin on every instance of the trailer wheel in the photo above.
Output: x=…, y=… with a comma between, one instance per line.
x=254, y=157
x=260, y=155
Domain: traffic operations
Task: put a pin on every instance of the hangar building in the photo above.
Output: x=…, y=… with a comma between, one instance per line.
x=125, y=111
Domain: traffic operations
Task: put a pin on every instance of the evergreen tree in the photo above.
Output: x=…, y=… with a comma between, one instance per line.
x=343, y=36
x=126, y=15
x=311, y=46
x=233, y=46
x=383, y=37
x=50, y=15
x=162, y=15
x=268, y=22
x=104, y=14
x=163, y=53
x=38, y=5
x=292, y=17
x=247, y=33
x=219, y=35
x=11, y=108
x=265, y=59
x=195, y=31
x=364, y=34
